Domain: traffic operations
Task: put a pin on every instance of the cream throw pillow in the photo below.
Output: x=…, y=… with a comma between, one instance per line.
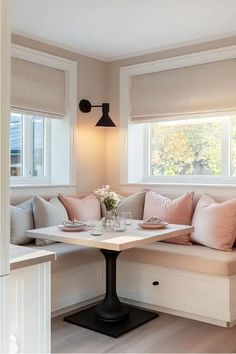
x=46, y=214
x=133, y=203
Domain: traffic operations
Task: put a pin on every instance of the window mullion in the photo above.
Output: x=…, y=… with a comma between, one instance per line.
x=47, y=149
x=147, y=150
x=27, y=146
x=226, y=147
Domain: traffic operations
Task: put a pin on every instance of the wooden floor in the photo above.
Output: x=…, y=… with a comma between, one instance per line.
x=166, y=334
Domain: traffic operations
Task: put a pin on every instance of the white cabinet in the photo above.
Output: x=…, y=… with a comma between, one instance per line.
x=30, y=308
x=29, y=301
x=4, y=328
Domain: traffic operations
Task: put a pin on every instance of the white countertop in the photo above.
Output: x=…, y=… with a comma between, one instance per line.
x=21, y=256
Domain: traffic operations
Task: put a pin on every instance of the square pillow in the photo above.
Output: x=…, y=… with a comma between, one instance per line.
x=46, y=214
x=177, y=211
x=133, y=203
x=21, y=217
x=214, y=223
x=83, y=209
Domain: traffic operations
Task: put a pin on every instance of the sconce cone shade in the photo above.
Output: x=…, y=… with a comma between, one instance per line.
x=105, y=121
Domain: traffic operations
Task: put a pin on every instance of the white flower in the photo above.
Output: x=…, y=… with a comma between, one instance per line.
x=110, y=199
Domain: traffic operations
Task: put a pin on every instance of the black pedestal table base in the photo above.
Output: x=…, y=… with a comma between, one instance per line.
x=111, y=316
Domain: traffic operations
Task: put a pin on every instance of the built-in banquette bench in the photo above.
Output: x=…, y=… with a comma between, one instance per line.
x=191, y=281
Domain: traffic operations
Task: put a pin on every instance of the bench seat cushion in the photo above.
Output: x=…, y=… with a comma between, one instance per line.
x=193, y=258
x=69, y=256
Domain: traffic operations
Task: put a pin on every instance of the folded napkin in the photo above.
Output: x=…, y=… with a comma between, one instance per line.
x=153, y=221
x=74, y=223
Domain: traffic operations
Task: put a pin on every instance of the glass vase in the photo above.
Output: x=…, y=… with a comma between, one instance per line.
x=109, y=219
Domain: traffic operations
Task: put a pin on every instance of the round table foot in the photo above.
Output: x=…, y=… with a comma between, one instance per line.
x=112, y=311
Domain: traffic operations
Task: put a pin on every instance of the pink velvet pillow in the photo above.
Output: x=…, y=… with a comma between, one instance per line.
x=177, y=211
x=84, y=209
x=214, y=223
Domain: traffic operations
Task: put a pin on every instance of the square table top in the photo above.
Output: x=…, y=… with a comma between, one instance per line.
x=134, y=236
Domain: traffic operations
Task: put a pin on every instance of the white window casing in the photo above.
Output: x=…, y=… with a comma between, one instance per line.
x=61, y=157
x=137, y=173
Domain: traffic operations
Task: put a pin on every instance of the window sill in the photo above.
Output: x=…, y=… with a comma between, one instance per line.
x=36, y=186
x=171, y=184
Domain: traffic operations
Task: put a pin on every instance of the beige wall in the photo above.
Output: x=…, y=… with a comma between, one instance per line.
x=113, y=170
x=98, y=155
x=91, y=140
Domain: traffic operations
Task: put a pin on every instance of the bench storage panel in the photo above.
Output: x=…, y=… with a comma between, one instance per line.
x=195, y=295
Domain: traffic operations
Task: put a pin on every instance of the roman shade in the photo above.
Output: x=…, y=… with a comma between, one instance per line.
x=205, y=88
x=37, y=89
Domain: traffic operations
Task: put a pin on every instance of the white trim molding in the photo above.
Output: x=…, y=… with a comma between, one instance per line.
x=127, y=73
x=4, y=136
x=70, y=69
x=4, y=173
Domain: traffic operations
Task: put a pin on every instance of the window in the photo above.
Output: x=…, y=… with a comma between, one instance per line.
x=198, y=150
x=29, y=148
x=43, y=148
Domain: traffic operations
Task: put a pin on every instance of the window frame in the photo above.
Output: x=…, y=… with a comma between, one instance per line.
x=144, y=172
x=27, y=152
x=126, y=75
x=68, y=122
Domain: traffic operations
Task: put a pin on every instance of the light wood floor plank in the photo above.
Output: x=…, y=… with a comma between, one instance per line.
x=166, y=334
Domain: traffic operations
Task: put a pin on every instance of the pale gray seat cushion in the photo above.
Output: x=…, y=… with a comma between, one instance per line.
x=69, y=256
x=21, y=217
x=193, y=258
x=133, y=203
x=48, y=213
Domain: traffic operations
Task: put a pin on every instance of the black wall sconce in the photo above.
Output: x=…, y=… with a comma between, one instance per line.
x=105, y=121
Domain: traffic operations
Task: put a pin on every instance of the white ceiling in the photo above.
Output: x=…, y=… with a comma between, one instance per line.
x=111, y=29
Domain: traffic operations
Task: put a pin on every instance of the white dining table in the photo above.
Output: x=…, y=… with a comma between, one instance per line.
x=111, y=317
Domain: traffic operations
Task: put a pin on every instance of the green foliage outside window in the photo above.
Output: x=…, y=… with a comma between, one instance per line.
x=187, y=149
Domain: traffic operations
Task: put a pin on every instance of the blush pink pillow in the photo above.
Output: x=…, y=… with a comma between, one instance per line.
x=84, y=209
x=214, y=223
x=177, y=211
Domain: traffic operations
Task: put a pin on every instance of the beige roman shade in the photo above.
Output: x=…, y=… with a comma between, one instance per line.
x=37, y=88
x=205, y=88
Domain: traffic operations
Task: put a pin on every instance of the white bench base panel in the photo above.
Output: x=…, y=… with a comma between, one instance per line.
x=192, y=295
x=76, y=285
x=198, y=296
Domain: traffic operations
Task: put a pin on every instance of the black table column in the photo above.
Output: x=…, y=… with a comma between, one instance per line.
x=111, y=316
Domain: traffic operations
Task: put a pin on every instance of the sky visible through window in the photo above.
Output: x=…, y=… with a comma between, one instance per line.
x=19, y=138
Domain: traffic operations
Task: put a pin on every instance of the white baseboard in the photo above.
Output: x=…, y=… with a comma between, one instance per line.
x=74, y=300
x=177, y=313
x=82, y=305
x=77, y=306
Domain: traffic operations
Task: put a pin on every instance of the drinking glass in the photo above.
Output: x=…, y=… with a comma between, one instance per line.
x=96, y=228
x=119, y=224
x=127, y=215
